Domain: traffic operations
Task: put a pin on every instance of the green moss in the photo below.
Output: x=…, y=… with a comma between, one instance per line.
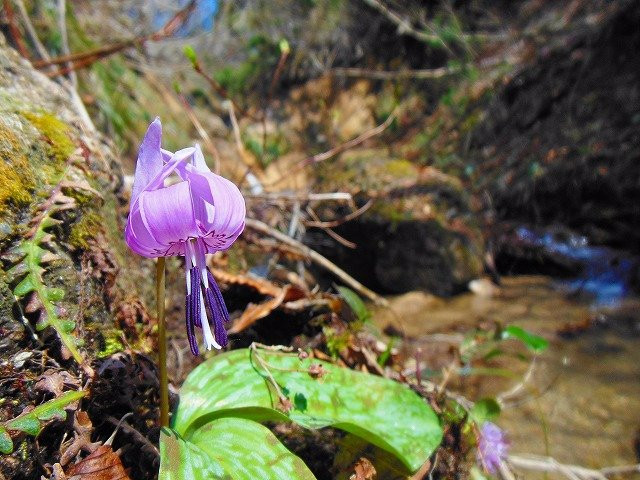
x=15, y=171
x=56, y=132
x=85, y=229
x=112, y=343
x=400, y=168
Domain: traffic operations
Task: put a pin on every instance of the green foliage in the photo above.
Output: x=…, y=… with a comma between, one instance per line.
x=484, y=410
x=274, y=147
x=191, y=55
x=32, y=422
x=355, y=303
x=261, y=385
x=487, y=344
x=533, y=342
x=249, y=76
x=228, y=448
x=29, y=270
x=336, y=340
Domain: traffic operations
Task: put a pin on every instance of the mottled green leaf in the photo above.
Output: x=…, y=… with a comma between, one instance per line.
x=229, y=449
x=355, y=303
x=534, y=342
x=6, y=445
x=485, y=410
x=385, y=413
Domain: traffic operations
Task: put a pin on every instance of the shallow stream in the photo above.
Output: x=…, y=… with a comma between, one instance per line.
x=581, y=403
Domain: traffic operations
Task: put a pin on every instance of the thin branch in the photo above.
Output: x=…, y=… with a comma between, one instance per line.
x=262, y=227
x=300, y=197
x=14, y=30
x=549, y=464
x=339, y=149
x=354, y=142
x=219, y=89
x=62, y=26
x=338, y=238
x=404, y=27
x=81, y=110
x=395, y=75
x=84, y=59
x=208, y=143
x=340, y=221
x=134, y=433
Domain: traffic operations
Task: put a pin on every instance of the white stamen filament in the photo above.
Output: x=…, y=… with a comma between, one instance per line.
x=209, y=339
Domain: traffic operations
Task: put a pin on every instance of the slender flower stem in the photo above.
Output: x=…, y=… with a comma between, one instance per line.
x=162, y=344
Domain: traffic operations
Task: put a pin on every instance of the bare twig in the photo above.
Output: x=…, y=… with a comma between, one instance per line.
x=62, y=26
x=85, y=59
x=86, y=121
x=404, y=26
x=549, y=464
x=395, y=75
x=354, y=142
x=219, y=89
x=208, y=143
x=281, y=396
x=134, y=433
x=340, y=148
x=262, y=227
x=340, y=221
x=247, y=159
x=338, y=238
x=301, y=197
x=14, y=30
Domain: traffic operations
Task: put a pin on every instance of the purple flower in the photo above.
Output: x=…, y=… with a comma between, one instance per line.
x=492, y=447
x=200, y=213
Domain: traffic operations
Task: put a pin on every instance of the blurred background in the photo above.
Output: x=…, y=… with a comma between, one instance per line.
x=474, y=163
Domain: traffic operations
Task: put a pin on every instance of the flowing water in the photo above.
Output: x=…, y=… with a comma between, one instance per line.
x=581, y=403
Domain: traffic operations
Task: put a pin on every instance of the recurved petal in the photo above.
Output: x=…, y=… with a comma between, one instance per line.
x=175, y=164
x=167, y=214
x=218, y=204
x=149, y=162
x=199, y=161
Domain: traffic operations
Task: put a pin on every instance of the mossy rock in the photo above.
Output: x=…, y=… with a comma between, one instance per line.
x=60, y=213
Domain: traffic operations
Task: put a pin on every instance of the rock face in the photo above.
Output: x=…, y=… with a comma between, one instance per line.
x=560, y=142
x=61, y=247
x=418, y=234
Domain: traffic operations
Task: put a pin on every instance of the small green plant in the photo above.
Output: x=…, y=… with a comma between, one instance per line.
x=33, y=421
x=32, y=255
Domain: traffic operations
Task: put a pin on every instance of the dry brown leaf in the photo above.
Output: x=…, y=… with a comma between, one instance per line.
x=255, y=312
x=262, y=286
x=363, y=470
x=102, y=464
x=53, y=381
x=83, y=428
